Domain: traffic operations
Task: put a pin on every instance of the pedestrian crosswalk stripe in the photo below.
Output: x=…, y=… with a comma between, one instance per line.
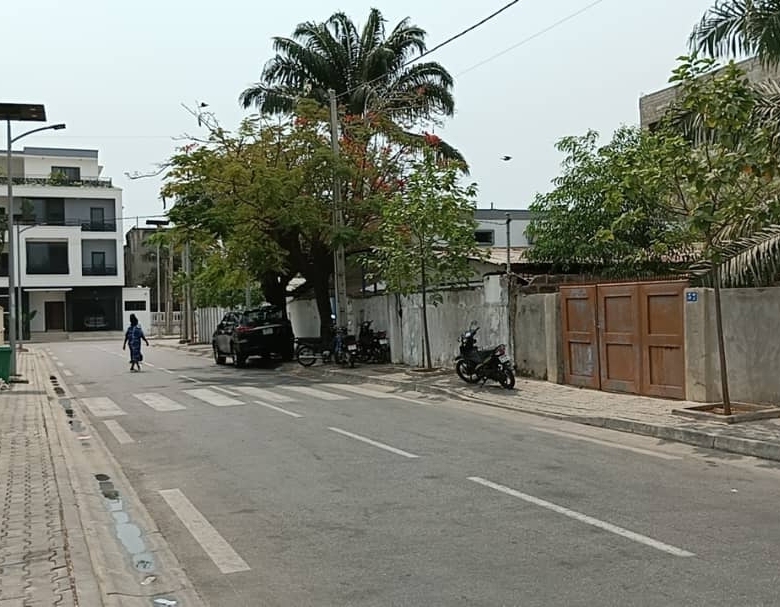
x=213, y=398
x=263, y=394
x=102, y=406
x=158, y=402
x=314, y=393
x=223, y=390
x=359, y=390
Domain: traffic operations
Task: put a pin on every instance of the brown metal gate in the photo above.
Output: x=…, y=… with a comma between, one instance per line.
x=625, y=337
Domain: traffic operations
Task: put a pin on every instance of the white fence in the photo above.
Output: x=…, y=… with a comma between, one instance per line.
x=206, y=321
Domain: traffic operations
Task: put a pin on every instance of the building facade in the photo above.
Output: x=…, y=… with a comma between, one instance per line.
x=491, y=229
x=68, y=241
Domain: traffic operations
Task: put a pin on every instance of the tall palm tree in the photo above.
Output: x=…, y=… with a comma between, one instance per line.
x=369, y=70
x=740, y=27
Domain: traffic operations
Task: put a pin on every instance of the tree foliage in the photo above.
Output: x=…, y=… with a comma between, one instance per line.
x=603, y=215
x=426, y=234
x=735, y=28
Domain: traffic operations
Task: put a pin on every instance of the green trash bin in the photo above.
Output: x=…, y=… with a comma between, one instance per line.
x=5, y=363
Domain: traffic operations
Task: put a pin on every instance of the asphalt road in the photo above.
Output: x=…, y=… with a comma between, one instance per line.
x=287, y=489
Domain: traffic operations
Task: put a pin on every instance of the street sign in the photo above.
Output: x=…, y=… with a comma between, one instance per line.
x=691, y=296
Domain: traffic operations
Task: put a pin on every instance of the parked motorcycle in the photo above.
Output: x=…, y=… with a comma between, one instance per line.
x=474, y=365
x=345, y=347
x=373, y=346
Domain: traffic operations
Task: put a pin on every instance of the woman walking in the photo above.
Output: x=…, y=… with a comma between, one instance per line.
x=133, y=337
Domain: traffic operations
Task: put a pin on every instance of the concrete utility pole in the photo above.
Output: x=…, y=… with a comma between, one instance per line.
x=184, y=336
x=169, y=293
x=339, y=261
x=508, y=244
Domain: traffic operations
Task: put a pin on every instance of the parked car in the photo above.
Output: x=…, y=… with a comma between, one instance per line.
x=264, y=332
x=95, y=322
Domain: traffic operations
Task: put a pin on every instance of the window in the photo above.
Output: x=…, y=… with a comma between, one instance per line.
x=47, y=257
x=97, y=216
x=67, y=173
x=135, y=306
x=54, y=211
x=265, y=315
x=99, y=260
x=485, y=237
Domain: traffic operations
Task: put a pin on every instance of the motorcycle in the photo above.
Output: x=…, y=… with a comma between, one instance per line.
x=345, y=347
x=373, y=345
x=474, y=365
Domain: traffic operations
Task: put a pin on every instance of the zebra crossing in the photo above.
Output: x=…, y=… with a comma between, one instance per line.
x=235, y=396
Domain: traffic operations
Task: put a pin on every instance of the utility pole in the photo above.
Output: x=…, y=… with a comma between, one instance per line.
x=185, y=326
x=339, y=261
x=169, y=292
x=508, y=245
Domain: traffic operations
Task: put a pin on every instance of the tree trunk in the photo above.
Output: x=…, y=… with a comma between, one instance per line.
x=322, y=297
x=275, y=289
x=724, y=374
x=425, y=315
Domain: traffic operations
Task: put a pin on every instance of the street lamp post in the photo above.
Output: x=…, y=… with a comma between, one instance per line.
x=17, y=112
x=19, y=298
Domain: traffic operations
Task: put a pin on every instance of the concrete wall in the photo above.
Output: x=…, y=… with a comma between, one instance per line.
x=144, y=316
x=38, y=301
x=751, y=320
x=304, y=317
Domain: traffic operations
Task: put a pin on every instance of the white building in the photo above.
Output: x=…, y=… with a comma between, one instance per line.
x=491, y=231
x=70, y=265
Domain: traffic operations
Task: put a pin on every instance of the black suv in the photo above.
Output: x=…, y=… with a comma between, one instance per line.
x=264, y=331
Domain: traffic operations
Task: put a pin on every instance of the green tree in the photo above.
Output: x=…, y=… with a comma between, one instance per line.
x=427, y=235
x=368, y=69
x=733, y=28
x=721, y=175
x=603, y=216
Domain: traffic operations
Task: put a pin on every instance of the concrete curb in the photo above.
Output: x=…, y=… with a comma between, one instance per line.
x=119, y=584
x=688, y=436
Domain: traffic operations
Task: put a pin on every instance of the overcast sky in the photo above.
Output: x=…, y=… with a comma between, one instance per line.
x=117, y=74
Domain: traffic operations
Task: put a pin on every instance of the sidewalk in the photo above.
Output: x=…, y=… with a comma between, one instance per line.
x=622, y=412
x=58, y=538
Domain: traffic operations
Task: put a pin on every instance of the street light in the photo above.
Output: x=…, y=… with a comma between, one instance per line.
x=17, y=112
x=158, y=223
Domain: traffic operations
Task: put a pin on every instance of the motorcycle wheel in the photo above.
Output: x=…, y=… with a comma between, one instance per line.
x=465, y=371
x=351, y=358
x=306, y=356
x=508, y=379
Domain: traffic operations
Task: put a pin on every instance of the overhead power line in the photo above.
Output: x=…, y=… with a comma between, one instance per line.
x=533, y=36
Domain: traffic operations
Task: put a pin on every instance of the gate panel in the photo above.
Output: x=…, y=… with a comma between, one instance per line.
x=580, y=340
x=619, y=340
x=663, y=339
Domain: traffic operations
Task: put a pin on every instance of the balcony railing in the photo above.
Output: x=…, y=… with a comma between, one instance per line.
x=60, y=181
x=98, y=270
x=47, y=269
x=86, y=225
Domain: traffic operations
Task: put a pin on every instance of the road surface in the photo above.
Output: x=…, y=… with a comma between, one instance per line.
x=274, y=488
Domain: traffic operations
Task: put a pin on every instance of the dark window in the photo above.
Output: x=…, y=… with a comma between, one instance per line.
x=54, y=211
x=485, y=236
x=3, y=264
x=98, y=260
x=67, y=173
x=135, y=306
x=262, y=316
x=47, y=257
x=97, y=216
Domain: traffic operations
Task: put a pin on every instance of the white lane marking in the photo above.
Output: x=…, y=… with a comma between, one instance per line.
x=60, y=364
x=604, y=443
x=584, y=518
x=167, y=371
x=314, y=393
x=279, y=409
x=158, y=402
x=150, y=365
x=54, y=357
x=214, y=545
x=224, y=390
x=213, y=398
x=192, y=379
x=122, y=437
x=375, y=443
x=79, y=388
x=264, y=394
x=359, y=390
x=67, y=373
x=101, y=406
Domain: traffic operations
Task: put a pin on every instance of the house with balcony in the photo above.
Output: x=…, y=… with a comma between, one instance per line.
x=68, y=241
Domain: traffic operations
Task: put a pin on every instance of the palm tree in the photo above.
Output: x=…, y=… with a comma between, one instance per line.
x=369, y=70
x=738, y=28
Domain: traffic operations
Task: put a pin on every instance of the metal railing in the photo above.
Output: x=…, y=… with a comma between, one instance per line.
x=60, y=181
x=47, y=269
x=86, y=225
x=98, y=270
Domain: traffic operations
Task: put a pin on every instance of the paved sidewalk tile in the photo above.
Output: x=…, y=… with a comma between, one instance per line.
x=34, y=556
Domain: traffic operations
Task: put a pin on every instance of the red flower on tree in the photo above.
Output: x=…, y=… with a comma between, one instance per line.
x=432, y=139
